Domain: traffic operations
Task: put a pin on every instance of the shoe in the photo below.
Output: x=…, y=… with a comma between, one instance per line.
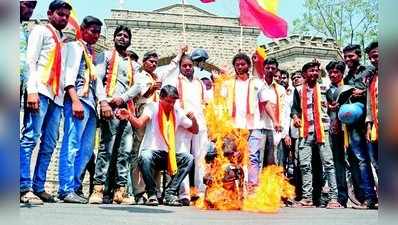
x=140, y=200
x=172, y=200
x=121, y=197
x=74, y=198
x=303, y=203
x=334, y=204
x=368, y=204
x=152, y=201
x=97, y=195
x=30, y=198
x=185, y=202
x=45, y=197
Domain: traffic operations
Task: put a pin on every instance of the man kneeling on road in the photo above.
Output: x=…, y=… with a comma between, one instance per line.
x=157, y=150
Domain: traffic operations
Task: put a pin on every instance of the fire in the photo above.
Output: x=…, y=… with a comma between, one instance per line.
x=273, y=187
x=227, y=164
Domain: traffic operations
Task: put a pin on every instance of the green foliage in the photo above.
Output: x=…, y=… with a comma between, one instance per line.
x=347, y=21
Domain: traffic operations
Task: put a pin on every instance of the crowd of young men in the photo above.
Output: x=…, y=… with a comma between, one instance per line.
x=153, y=129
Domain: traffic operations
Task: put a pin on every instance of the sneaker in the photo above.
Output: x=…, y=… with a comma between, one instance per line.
x=172, y=200
x=74, y=198
x=152, y=201
x=45, y=197
x=30, y=198
x=97, y=195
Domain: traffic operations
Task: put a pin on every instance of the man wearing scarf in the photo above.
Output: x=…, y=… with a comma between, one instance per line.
x=162, y=121
x=44, y=102
x=117, y=72
x=83, y=91
x=309, y=112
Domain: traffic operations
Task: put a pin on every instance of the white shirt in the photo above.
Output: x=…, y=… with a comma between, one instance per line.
x=153, y=139
x=242, y=120
x=267, y=119
x=40, y=44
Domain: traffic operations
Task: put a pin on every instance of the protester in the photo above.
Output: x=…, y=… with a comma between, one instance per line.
x=356, y=77
x=337, y=134
x=83, y=91
x=26, y=8
x=45, y=92
x=372, y=119
x=116, y=70
x=158, y=149
x=309, y=114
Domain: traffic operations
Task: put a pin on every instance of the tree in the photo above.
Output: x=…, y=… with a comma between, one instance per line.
x=347, y=21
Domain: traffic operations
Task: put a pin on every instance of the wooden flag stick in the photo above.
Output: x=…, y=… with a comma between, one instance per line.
x=241, y=39
x=184, y=36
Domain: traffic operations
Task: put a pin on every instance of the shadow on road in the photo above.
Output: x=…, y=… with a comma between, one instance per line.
x=138, y=209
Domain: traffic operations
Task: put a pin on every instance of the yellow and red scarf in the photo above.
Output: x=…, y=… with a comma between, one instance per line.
x=374, y=135
x=182, y=89
x=167, y=130
x=52, y=75
x=250, y=98
x=89, y=73
x=278, y=110
x=318, y=125
x=111, y=76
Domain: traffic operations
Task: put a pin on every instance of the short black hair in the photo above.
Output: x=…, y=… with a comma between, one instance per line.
x=58, y=4
x=168, y=91
x=309, y=65
x=271, y=61
x=353, y=47
x=241, y=56
x=296, y=72
x=122, y=28
x=90, y=20
x=371, y=46
x=339, y=65
x=150, y=54
x=185, y=56
x=284, y=72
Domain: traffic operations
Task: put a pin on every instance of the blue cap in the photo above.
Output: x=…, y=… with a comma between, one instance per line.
x=56, y=4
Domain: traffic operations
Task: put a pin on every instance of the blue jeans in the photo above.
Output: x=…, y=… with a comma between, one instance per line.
x=151, y=160
x=44, y=125
x=77, y=147
x=359, y=149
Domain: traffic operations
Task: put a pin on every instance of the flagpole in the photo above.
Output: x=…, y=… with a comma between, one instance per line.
x=183, y=22
x=241, y=39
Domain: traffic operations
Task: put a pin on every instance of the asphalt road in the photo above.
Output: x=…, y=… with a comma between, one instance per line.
x=74, y=214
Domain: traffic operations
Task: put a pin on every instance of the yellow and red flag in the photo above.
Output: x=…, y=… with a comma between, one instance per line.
x=262, y=14
x=207, y=1
x=73, y=22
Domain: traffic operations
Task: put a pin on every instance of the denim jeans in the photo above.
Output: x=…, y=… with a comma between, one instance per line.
x=77, y=147
x=373, y=149
x=116, y=139
x=151, y=160
x=305, y=156
x=44, y=125
x=359, y=149
x=339, y=159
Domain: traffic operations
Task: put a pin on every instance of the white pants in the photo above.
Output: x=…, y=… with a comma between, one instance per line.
x=197, y=145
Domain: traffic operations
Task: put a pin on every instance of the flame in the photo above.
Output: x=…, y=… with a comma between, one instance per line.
x=224, y=194
x=273, y=187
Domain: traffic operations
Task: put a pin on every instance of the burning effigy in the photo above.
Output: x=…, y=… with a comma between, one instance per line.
x=226, y=166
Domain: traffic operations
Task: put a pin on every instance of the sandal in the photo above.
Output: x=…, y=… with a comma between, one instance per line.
x=152, y=201
x=333, y=204
x=304, y=203
x=172, y=200
x=30, y=199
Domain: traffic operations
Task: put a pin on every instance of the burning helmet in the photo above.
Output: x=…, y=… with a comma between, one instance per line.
x=351, y=113
x=199, y=54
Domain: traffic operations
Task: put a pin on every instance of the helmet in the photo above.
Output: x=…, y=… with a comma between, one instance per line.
x=199, y=54
x=351, y=113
